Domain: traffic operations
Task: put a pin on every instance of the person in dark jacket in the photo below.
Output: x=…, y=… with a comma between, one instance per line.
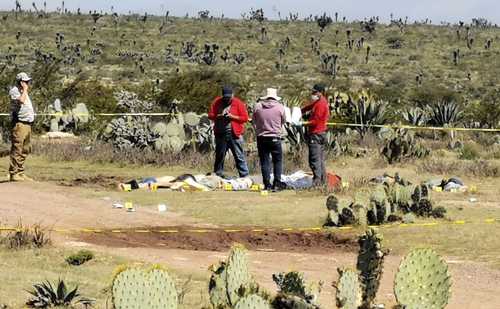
x=229, y=115
x=316, y=133
x=268, y=120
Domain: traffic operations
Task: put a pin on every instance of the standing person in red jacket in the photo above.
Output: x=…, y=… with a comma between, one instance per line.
x=229, y=115
x=316, y=133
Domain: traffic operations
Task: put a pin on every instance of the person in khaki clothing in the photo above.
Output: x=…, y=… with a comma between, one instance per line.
x=23, y=116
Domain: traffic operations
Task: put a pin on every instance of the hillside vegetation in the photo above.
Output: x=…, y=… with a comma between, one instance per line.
x=86, y=58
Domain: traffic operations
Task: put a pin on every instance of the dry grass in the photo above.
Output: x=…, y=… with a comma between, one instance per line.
x=20, y=269
x=443, y=166
x=26, y=237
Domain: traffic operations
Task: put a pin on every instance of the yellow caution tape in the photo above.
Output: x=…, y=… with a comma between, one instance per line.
x=333, y=124
x=288, y=229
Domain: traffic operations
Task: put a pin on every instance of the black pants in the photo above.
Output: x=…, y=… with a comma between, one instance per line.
x=316, y=143
x=270, y=149
x=223, y=143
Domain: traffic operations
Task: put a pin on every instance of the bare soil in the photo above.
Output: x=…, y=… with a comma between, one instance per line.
x=220, y=240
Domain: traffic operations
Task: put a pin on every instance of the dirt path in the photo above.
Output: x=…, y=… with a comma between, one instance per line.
x=65, y=207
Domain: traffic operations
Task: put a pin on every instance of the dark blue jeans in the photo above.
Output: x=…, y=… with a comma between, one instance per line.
x=223, y=143
x=270, y=149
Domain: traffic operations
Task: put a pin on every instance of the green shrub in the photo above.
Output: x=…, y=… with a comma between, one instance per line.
x=196, y=89
x=80, y=257
x=469, y=152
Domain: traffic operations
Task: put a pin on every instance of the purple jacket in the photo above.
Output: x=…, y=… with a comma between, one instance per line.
x=268, y=118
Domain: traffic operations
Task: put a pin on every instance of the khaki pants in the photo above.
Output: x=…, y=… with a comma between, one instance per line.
x=21, y=147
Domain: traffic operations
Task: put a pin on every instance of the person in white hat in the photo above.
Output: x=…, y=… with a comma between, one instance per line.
x=268, y=120
x=23, y=116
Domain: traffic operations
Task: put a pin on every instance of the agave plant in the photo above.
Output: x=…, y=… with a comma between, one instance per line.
x=367, y=111
x=415, y=116
x=45, y=296
x=445, y=113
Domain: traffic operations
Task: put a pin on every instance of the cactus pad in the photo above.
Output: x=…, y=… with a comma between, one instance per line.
x=252, y=302
x=160, y=128
x=332, y=203
x=191, y=119
x=217, y=287
x=135, y=288
x=173, y=129
x=348, y=289
x=237, y=274
x=422, y=281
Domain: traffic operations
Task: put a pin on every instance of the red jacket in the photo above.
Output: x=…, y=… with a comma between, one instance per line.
x=238, y=108
x=320, y=113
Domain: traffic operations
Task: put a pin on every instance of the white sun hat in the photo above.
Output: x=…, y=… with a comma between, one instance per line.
x=271, y=93
x=23, y=77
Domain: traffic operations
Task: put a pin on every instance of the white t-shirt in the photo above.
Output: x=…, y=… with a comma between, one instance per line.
x=24, y=111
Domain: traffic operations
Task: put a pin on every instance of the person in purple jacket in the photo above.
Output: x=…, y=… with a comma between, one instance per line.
x=268, y=120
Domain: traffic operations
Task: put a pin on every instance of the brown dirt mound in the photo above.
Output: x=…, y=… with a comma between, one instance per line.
x=220, y=240
x=103, y=181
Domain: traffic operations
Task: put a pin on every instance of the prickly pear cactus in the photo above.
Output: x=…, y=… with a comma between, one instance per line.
x=422, y=281
x=333, y=218
x=370, y=265
x=191, y=119
x=361, y=214
x=217, y=287
x=237, y=274
x=347, y=216
x=379, y=202
x=252, y=302
x=400, y=197
x=332, y=203
x=136, y=288
x=420, y=192
x=160, y=128
x=348, y=289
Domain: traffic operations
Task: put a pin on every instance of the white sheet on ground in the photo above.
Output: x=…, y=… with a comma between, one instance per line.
x=239, y=184
x=296, y=181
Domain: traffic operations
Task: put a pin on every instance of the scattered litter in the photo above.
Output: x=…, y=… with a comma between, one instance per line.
x=473, y=200
x=106, y=198
x=117, y=205
x=162, y=207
